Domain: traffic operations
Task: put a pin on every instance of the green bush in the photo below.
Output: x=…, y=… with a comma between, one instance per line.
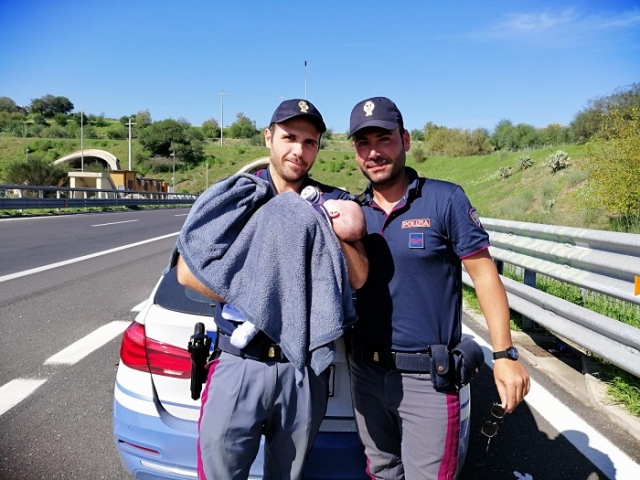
x=524, y=161
x=504, y=172
x=557, y=161
x=418, y=154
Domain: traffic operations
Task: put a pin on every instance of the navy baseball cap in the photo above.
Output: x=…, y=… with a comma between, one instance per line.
x=375, y=112
x=298, y=108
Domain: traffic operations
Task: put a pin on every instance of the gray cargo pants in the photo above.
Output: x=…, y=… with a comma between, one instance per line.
x=409, y=430
x=244, y=399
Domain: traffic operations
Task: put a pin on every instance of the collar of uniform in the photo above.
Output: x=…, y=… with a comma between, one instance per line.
x=412, y=189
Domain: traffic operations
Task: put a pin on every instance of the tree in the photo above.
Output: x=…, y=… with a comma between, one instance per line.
x=98, y=120
x=37, y=172
x=49, y=105
x=167, y=136
x=503, y=134
x=524, y=135
x=589, y=122
x=61, y=119
x=615, y=167
x=210, y=128
x=8, y=105
x=142, y=119
x=243, y=127
x=456, y=142
x=554, y=134
x=118, y=132
x=417, y=134
x=159, y=136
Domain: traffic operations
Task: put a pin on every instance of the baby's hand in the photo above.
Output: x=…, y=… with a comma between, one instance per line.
x=243, y=334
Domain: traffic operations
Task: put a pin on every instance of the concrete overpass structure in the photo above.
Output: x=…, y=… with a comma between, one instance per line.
x=112, y=179
x=89, y=156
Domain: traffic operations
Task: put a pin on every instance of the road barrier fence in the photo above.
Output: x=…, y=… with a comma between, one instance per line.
x=23, y=197
x=596, y=261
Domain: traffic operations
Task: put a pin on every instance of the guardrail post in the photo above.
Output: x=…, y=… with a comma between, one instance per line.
x=499, y=266
x=530, y=281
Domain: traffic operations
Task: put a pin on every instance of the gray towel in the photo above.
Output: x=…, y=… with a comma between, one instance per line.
x=282, y=268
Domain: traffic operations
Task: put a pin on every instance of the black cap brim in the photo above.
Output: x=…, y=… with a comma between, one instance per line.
x=312, y=118
x=374, y=123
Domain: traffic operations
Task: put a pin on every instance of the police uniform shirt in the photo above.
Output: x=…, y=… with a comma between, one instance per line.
x=227, y=322
x=412, y=297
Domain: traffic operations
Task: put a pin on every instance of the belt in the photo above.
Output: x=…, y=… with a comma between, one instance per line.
x=419, y=362
x=255, y=350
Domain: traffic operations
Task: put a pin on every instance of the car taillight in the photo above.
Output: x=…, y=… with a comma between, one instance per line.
x=141, y=353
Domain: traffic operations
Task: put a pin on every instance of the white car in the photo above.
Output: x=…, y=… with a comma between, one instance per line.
x=155, y=418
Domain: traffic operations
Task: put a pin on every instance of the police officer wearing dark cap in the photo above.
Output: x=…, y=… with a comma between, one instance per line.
x=252, y=391
x=420, y=232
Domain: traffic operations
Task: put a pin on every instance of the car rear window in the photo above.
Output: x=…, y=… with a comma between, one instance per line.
x=173, y=296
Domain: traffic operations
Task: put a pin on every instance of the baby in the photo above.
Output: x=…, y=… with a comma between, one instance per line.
x=349, y=225
x=344, y=216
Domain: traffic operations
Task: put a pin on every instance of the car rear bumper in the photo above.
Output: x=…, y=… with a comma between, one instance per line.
x=153, y=445
x=157, y=446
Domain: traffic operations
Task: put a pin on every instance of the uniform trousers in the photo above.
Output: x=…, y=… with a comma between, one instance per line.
x=409, y=430
x=245, y=399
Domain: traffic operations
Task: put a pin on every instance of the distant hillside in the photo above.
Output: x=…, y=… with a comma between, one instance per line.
x=533, y=195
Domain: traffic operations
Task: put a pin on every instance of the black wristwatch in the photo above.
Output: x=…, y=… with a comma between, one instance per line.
x=511, y=353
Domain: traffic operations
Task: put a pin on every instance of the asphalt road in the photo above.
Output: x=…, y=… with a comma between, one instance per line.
x=63, y=428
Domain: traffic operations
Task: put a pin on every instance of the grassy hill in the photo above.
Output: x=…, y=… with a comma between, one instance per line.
x=532, y=195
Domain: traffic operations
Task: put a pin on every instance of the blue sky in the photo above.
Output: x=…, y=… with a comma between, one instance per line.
x=463, y=64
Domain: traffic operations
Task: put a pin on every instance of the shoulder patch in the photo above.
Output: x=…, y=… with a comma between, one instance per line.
x=474, y=216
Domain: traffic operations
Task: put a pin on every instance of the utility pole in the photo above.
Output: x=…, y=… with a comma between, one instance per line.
x=82, y=140
x=305, y=79
x=129, y=125
x=173, y=177
x=221, y=116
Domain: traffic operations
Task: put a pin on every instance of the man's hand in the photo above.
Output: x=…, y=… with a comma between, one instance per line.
x=357, y=263
x=512, y=382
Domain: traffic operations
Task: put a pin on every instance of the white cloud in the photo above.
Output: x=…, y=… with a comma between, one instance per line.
x=568, y=26
x=530, y=23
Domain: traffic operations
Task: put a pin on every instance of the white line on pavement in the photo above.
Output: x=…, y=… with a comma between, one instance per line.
x=114, y=223
x=51, y=266
x=612, y=461
x=83, y=347
x=15, y=391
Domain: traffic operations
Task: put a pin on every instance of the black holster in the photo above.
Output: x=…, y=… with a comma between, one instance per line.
x=456, y=368
x=199, y=346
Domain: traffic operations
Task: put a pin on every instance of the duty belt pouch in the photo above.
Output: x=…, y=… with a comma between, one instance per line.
x=440, y=376
x=467, y=360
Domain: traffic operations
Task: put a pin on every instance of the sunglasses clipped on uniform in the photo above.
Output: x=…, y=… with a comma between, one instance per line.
x=490, y=427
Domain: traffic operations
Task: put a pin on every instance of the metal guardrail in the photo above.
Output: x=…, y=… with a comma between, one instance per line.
x=44, y=198
x=592, y=260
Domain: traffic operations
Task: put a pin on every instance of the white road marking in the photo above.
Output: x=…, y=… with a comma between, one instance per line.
x=51, y=266
x=83, y=347
x=181, y=215
x=115, y=223
x=612, y=461
x=15, y=391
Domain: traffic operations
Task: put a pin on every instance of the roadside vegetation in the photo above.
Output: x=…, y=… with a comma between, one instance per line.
x=582, y=175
